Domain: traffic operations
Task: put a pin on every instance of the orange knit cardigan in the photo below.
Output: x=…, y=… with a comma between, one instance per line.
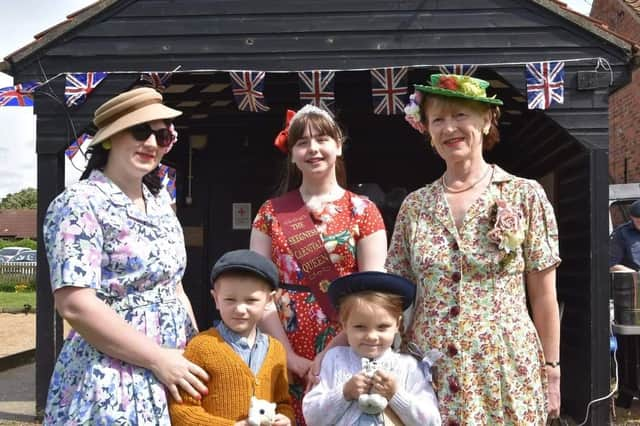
x=231, y=383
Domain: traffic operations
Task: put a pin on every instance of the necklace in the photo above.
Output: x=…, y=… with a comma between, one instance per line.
x=455, y=191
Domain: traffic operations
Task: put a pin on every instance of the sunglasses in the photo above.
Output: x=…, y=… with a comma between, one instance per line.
x=141, y=133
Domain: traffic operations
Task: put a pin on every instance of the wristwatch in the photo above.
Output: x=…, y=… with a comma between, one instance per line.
x=552, y=364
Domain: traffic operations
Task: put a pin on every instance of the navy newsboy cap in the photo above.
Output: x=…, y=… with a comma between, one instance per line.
x=382, y=282
x=246, y=260
x=635, y=209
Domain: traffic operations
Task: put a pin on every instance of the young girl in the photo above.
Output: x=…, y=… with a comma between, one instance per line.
x=316, y=232
x=370, y=309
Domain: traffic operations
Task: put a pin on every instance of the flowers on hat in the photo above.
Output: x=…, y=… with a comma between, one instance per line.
x=412, y=112
x=462, y=83
x=174, y=138
x=507, y=230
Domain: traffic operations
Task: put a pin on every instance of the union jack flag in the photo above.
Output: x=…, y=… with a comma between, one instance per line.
x=168, y=177
x=156, y=80
x=18, y=95
x=545, y=84
x=80, y=85
x=389, y=90
x=459, y=69
x=75, y=145
x=316, y=88
x=247, y=90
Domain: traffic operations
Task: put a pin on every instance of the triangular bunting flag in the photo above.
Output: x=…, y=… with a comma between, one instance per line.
x=75, y=145
x=389, y=90
x=316, y=88
x=80, y=85
x=158, y=81
x=168, y=177
x=545, y=84
x=247, y=90
x=460, y=69
x=18, y=95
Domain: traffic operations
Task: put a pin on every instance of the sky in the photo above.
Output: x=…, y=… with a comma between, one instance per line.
x=17, y=145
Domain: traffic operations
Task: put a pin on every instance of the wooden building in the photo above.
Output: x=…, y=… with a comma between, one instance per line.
x=233, y=160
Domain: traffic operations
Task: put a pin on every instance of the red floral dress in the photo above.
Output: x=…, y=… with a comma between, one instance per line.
x=341, y=224
x=471, y=300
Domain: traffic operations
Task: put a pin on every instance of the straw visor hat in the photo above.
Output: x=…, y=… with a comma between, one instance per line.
x=128, y=109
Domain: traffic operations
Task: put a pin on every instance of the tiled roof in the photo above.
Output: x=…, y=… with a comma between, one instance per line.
x=634, y=4
x=18, y=223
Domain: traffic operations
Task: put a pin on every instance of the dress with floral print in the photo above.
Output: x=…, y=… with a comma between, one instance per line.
x=341, y=224
x=471, y=299
x=95, y=237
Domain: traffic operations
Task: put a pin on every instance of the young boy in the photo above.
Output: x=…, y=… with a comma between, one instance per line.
x=241, y=361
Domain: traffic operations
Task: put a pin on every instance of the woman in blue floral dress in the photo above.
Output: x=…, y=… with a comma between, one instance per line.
x=116, y=256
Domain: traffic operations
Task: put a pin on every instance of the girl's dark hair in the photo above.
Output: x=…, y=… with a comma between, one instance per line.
x=488, y=141
x=98, y=157
x=292, y=178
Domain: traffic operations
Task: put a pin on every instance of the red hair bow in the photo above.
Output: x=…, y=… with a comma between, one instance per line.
x=281, y=140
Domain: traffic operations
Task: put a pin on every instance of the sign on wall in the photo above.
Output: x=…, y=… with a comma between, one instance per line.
x=241, y=215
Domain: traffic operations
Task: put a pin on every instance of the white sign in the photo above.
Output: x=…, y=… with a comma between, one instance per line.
x=241, y=215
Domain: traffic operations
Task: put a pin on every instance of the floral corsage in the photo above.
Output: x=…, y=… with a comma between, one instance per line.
x=507, y=230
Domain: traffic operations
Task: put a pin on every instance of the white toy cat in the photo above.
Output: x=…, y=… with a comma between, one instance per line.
x=372, y=403
x=261, y=412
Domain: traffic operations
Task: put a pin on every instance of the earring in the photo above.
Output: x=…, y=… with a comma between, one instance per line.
x=485, y=131
x=106, y=145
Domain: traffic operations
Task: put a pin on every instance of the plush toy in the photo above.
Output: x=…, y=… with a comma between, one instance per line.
x=372, y=403
x=261, y=412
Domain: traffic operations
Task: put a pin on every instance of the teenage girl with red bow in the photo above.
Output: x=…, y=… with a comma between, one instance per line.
x=315, y=232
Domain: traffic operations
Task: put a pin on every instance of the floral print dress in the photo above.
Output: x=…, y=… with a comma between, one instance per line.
x=341, y=224
x=471, y=299
x=96, y=238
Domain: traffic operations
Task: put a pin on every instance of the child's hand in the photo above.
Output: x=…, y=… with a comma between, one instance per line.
x=242, y=423
x=281, y=420
x=356, y=386
x=384, y=384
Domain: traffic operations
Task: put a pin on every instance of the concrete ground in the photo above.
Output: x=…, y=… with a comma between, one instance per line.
x=17, y=396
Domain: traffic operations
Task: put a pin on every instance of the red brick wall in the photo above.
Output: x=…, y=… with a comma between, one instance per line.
x=624, y=104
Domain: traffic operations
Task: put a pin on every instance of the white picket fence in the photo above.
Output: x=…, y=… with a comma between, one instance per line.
x=16, y=272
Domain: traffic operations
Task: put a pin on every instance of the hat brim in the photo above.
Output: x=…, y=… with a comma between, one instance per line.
x=156, y=111
x=372, y=281
x=453, y=94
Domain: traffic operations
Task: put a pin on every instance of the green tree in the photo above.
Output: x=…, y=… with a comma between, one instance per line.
x=25, y=199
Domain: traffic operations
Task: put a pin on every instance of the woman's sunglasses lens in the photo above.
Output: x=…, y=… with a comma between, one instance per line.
x=141, y=133
x=163, y=137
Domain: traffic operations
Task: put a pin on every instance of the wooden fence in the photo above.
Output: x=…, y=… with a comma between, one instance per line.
x=17, y=272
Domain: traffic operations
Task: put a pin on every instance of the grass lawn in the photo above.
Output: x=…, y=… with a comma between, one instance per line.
x=17, y=300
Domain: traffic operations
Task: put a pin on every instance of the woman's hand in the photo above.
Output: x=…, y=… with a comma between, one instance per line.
x=356, y=386
x=174, y=370
x=553, y=392
x=313, y=375
x=298, y=365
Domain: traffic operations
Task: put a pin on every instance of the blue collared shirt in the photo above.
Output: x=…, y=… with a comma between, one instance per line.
x=252, y=356
x=624, y=246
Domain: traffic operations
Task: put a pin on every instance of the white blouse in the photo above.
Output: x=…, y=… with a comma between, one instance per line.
x=415, y=402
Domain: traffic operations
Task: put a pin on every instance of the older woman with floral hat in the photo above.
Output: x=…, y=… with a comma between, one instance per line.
x=116, y=256
x=477, y=242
